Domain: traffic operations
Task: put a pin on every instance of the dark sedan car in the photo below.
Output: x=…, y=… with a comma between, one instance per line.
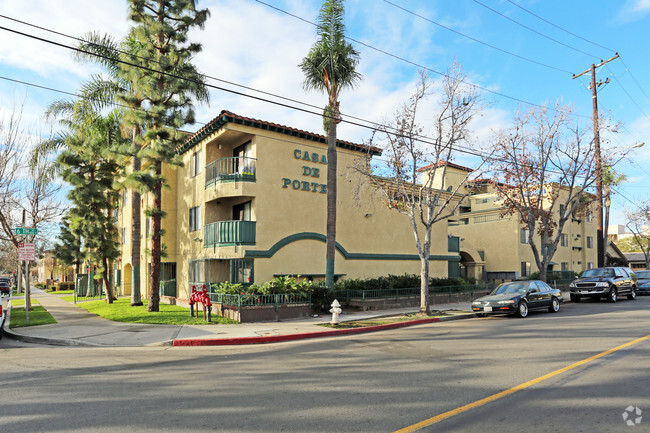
x=5, y=288
x=518, y=297
x=643, y=284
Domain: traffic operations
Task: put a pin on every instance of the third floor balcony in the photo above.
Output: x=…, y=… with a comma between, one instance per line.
x=232, y=169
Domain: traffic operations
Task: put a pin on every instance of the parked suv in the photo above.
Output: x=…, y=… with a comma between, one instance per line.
x=609, y=282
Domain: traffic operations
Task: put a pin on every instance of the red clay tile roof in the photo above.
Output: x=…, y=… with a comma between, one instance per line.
x=226, y=116
x=450, y=164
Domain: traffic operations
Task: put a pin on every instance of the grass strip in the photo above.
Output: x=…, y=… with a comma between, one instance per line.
x=122, y=311
x=37, y=316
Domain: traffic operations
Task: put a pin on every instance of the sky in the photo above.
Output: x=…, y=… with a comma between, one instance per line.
x=519, y=54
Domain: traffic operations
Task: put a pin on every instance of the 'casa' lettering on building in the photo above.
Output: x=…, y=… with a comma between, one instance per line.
x=306, y=156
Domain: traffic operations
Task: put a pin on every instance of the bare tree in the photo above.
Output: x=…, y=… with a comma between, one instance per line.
x=414, y=180
x=638, y=223
x=28, y=193
x=544, y=166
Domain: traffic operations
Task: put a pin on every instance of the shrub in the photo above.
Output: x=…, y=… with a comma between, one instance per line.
x=65, y=285
x=227, y=288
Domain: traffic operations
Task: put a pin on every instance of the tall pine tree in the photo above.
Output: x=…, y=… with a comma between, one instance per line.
x=88, y=163
x=165, y=80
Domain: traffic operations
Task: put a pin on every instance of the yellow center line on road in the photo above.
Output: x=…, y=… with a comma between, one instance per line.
x=494, y=397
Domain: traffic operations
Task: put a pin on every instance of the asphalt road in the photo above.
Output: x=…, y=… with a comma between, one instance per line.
x=379, y=382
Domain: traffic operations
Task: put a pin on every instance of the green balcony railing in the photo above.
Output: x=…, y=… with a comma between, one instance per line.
x=227, y=233
x=233, y=169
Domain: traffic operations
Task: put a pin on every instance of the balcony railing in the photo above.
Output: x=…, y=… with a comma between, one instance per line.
x=227, y=233
x=233, y=169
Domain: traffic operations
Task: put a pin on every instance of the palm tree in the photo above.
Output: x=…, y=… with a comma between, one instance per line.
x=330, y=66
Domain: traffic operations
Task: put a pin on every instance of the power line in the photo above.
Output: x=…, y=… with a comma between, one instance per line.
x=476, y=40
x=425, y=140
x=535, y=31
x=558, y=27
x=426, y=68
x=634, y=78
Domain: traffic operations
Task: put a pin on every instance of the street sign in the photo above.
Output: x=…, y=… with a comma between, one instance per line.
x=26, y=230
x=26, y=251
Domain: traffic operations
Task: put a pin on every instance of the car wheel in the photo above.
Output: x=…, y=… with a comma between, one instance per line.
x=555, y=306
x=575, y=298
x=612, y=295
x=632, y=295
x=522, y=309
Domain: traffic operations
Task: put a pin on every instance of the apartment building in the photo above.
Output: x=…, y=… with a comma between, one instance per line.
x=494, y=247
x=250, y=205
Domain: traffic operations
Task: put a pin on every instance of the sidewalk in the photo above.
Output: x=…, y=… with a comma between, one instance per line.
x=77, y=327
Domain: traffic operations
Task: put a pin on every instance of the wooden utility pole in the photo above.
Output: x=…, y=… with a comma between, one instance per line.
x=600, y=242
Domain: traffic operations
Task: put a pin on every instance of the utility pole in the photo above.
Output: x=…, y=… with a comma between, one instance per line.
x=600, y=242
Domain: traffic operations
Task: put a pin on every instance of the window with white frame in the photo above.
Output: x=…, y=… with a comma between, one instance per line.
x=589, y=216
x=525, y=269
x=195, y=218
x=590, y=265
x=590, y=242
x=565, y=266
x=564, y=240
x=195, y=166
x=523, y=235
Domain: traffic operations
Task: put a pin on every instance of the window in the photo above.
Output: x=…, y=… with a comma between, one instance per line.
x=196, y=163
x=523, y=235
x=195, y=218
x=565, y=266
x=124, y=235
x=125, y=197
x=196, y=271
x=242, y=212
x=590, y=242
x=589, y=217
x=564, y=240
x=562, y=210
x=525, y=269
x=242, y=271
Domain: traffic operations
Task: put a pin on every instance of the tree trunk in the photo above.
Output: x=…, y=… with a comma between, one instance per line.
x=135, y=240
x=110, y=295
x=331, y=204
x=425, y=305
x=154, y=297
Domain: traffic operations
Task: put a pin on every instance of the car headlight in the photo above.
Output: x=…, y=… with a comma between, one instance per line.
x=602, y=284
x=572, y=284
x=510, y=301
x=476, y=303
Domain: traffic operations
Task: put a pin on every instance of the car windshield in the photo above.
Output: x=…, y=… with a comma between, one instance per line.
x=516, y=287
x=642, y=274
x=598, y=273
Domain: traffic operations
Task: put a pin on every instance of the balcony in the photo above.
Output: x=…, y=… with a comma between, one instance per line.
x=233, y=169
x=229, y=233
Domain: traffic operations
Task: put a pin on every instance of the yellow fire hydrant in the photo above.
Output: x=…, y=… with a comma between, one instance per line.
x=336, y=312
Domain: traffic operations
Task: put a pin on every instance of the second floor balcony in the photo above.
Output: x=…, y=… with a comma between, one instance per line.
x=233, y=169
x=229, y=233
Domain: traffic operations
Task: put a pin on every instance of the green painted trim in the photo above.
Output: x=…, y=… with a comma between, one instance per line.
x=267, y=254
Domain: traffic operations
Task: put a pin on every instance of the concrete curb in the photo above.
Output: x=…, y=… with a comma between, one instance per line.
x=308, y=335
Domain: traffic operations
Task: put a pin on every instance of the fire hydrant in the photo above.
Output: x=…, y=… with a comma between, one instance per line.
x=336, y=312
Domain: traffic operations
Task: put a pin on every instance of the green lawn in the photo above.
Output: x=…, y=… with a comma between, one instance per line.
x=15, y=302
x=37, y=316
x=122, y=311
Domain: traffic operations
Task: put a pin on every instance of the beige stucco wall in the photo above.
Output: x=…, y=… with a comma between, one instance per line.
x=378, y=240
x=499, y=237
